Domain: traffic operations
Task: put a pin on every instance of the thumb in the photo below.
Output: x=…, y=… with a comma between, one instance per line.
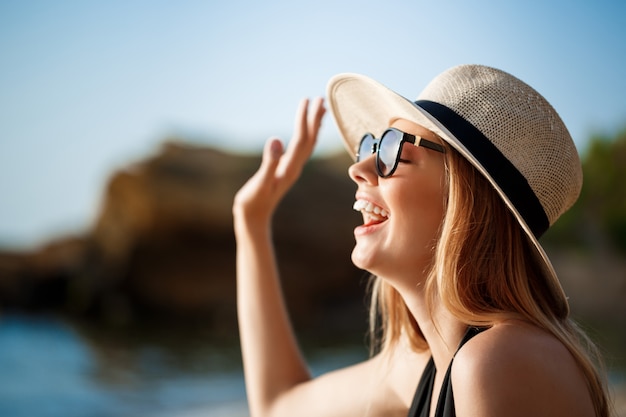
x=271, y=156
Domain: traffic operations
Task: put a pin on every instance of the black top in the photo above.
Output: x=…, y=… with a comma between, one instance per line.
x=445, y=405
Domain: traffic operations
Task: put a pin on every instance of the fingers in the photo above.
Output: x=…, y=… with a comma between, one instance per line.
x=307, y=124
x=271, y=157
x=317, y=113
x=280, y=168
x=300, y=128
x=296, y=150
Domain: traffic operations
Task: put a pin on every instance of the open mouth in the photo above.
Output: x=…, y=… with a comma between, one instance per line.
x=372, y=214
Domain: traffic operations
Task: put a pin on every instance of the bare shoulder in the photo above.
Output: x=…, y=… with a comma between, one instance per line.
x=517, y=369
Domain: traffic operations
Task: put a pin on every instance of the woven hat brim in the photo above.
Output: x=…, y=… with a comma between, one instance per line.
x=360, y=104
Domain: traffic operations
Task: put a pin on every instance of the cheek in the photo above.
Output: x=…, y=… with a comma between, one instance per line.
x=421, y=221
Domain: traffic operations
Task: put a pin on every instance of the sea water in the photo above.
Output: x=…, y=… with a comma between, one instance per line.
x=50, y=368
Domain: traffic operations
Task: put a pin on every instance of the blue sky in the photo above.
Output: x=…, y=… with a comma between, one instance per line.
x=88, y=87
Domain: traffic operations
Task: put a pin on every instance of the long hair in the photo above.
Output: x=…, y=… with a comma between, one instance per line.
x=485, y=270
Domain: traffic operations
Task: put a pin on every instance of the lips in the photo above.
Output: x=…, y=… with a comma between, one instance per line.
x=372, y=214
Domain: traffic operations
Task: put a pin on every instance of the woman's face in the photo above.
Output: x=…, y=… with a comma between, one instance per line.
x=397, y=243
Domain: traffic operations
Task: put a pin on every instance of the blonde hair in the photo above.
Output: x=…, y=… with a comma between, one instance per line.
x=485, y=270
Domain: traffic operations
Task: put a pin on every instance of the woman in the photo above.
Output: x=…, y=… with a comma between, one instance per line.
x=455, y=189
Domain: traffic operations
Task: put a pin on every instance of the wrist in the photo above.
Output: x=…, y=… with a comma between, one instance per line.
x=249, y=224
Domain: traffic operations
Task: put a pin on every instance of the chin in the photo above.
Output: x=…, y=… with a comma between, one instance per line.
x=366, y=261
x=360, y=260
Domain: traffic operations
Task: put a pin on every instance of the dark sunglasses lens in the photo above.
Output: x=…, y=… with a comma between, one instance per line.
x=366, y=147
x=388, y=152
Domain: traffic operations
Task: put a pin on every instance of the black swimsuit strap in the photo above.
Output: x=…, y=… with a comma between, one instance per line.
x=421, y=400
x=420, y=407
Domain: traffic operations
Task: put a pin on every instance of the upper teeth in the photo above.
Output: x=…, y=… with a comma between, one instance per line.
x=368, y=207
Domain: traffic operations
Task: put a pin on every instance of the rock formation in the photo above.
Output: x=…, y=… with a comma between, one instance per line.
x=162, y=247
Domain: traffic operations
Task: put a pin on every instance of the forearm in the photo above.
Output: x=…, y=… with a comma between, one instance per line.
x=272, y=360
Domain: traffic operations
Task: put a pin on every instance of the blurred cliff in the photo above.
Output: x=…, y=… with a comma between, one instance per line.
x=162, y=247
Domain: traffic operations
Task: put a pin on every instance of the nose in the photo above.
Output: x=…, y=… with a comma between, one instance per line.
x=364, y=171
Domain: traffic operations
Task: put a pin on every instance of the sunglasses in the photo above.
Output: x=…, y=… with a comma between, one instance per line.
x=389, y=148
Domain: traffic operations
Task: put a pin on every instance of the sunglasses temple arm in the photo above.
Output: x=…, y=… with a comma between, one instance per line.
x=431, y=145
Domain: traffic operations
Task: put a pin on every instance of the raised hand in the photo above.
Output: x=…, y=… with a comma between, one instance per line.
x=257, y=200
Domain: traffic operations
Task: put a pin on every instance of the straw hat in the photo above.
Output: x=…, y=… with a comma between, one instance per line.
x=507, y=130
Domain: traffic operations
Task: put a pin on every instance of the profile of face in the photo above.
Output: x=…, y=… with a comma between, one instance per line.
x=402, y=213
